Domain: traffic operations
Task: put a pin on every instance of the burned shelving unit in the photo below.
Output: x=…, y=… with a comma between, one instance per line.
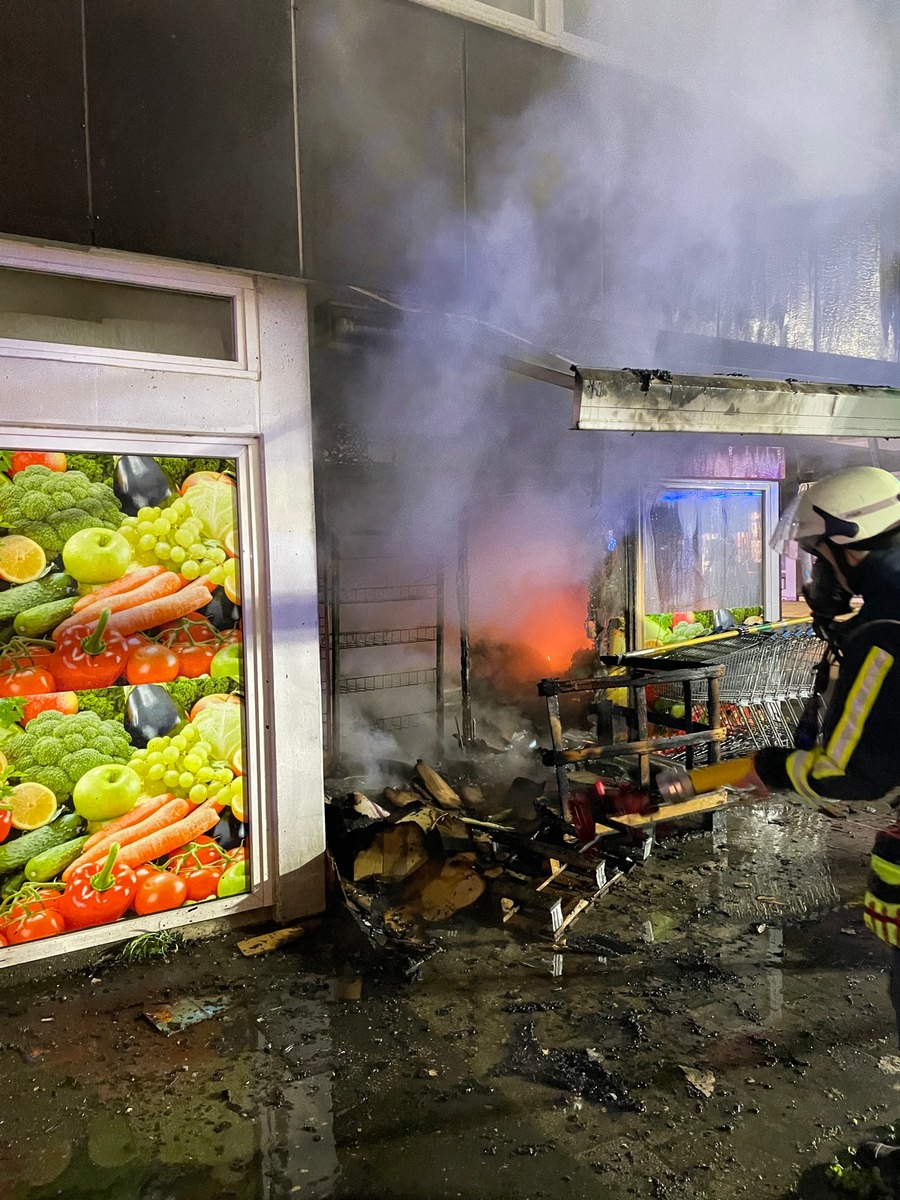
x=627, y=763
x=341, y=596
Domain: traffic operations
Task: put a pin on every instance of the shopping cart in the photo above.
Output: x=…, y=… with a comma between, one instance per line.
x=769, y=675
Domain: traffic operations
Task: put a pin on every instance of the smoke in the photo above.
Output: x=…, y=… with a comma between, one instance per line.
x=685, y=188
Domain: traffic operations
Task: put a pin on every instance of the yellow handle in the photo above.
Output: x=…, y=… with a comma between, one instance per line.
x=708, y=779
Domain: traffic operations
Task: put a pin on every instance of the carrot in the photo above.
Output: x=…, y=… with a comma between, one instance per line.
x=127, y=583
x=170, y=812
x=139, y=813
x=173, y=837
x=154, y=589
x=158, y=612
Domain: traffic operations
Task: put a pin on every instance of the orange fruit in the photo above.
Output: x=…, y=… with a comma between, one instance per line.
x=237, y=763
x=230, y=544
x=232, y=582
x=21, y=559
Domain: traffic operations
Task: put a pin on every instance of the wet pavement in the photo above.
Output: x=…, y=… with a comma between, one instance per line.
x=718, y=1028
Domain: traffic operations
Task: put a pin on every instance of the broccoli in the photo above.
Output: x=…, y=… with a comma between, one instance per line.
x=178, y=469
x=186, y=692
x=98, y=468
x=108, y=703
x=49, y=506
x=57, y=749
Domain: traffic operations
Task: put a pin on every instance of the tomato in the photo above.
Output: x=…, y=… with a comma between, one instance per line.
x=64, y=702
x=160, y=892
x=29, y=681
x=147, y=871
x=202, y=883
x=5, y=823
x=31, y=902
x=204, y=852
x=3, y=941
x=194, y=661
x=152, y=664
x=35, y=458
x=34, y=926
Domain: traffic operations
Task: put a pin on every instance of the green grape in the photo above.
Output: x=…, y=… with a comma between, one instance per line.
x=147, y=542
x=178, y=555
x=146, y=514
x=214, y=787
x=198, y=793
x=179, y=743
x=157, y=743
x=145, y=527
x=170, y=755
x=224, y=774
x=205, y=774
x=179, y=506
x=184, y=537
x=190, y=733
x=190, y=569
x=185, y=781
x=129, y=521
x=197, y=550
x=138, y=754
x=217, y=554
x=217, y=575
x=154, y=757
x=170, y=779
x=157, y=771
x=162, y=551
x=161, y=526
x=192, y=762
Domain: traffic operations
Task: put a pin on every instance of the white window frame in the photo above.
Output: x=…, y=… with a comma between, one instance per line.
x=110, y=267
x=547, y=28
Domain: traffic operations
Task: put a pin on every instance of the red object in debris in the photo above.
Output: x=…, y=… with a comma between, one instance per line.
x=581, y=812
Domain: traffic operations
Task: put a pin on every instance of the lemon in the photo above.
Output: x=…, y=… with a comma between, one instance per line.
x=33, y=805
x=230, y=543
x=21, y=559
x=237, y=800
x=237, y=762
x=232, y=582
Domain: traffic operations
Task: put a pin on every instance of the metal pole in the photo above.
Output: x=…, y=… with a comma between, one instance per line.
x=439, y=664
x=335, y=650
x=467, y=732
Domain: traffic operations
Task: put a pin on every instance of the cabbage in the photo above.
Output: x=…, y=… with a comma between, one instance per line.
x=213, y=504
x=221, y=726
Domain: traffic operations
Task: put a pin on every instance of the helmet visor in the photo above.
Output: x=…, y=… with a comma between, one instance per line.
x=787, y=539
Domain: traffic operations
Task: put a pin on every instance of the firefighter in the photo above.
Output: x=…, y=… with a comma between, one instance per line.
x=850, y=523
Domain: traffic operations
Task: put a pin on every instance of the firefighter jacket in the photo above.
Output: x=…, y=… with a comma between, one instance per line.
x=858, y=758
x=882, y=904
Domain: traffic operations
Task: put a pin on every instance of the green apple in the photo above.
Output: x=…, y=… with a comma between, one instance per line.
x=106, y=792
x=96, y=556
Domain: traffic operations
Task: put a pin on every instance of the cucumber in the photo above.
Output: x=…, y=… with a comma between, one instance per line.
x=53, y=862
x=14, y=855
x=44, y=617
x=11, y=884
x=28, y=595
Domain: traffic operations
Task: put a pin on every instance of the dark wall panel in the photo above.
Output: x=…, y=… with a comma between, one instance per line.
x=43, y=169
x=382, y=162
x=192, y=130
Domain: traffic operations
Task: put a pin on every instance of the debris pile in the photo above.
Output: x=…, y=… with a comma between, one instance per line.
x=421, y=852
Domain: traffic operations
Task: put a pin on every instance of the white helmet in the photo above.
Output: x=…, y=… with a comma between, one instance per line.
x=846, y=508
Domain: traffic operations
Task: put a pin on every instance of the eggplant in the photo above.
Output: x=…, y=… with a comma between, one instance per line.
x=151, y=712
x=227, y=832
x=221, y=613
x=140, y=482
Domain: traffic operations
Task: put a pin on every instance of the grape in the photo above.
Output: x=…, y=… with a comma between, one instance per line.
x=198, y=793
x=147, y=542
x=156, y=771
x=159, y=536
x=190, y=569
x=157, y=743
x=196, y=550
x=162, y=551
x=224, y=775
x=192, y=762
x=171, y=778
x=179, y=743
x=178, y=555
x=178, y=765
x=161, y=526
x=217, y=576
x=205, y=774
x=186, y=781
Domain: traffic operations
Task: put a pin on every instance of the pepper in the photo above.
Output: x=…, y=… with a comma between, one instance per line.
x=234, y=880
x=88, y=657
x=95, y=897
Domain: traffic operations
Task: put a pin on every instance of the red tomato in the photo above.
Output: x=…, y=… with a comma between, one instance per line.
x=34, y=458
x=204, y=852
x=203, y=883
x=31, y=903
x=3, y=941
x=160, y=892
x=29, y=681
x=147, y=871
x=194, y=661
x=64, y=702
x=152, y=664
x=33, y=927
x=5, y=823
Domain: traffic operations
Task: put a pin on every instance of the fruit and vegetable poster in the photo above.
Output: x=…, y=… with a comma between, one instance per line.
x=121, y=690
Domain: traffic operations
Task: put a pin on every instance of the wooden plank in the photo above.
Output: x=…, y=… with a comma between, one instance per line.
x=672, y=812
x=437, y=787
x=250, y=947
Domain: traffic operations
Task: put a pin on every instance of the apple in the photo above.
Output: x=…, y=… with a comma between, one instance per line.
x=96, y=556
x=217, y=698
x=203, y=476
x=106, y=792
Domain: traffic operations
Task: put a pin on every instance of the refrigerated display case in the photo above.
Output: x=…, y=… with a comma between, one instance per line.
x=703, y=546
x=158, y=642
